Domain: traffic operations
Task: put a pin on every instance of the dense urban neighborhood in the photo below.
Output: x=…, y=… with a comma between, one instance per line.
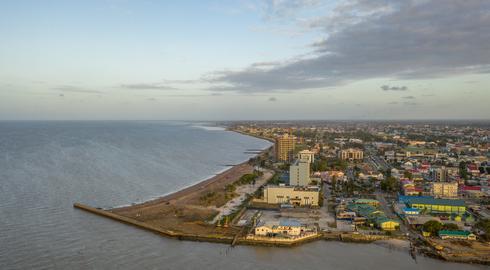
x=425, y=182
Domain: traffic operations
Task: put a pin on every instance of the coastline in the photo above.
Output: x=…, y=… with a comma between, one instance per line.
x=197, y=230
x=201, y=183
x=183, y=213
x=188, y=189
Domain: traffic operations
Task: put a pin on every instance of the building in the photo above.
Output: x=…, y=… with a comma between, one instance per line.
x=463, y=235
x=307, y=155
x=297, y=196
x=285, y=228
x=284, y=147
x=299, y=173
x=472, y=191
x=444, y=189
x=373, y=216
x=371, y=202
x=407, y=211
x=438, y=206
x=351, y=154
x=440, y=174
x=386, y=224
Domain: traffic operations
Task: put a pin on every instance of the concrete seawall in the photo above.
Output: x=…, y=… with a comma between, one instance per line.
x=157, y=230
x=345, y=237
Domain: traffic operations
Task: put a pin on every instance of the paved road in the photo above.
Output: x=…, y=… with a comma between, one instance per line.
x=386, y=207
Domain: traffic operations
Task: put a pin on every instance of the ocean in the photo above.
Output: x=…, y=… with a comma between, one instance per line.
x=46, y=166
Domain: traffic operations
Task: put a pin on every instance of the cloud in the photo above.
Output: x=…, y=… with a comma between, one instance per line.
x=76, y=89
x=408, y=97
x=274, y=9
x=272, y=99
x=400, y=39
x=393, y=103
x=394, y=88
x=61, y=95
x=410, y=103
x=147, y=86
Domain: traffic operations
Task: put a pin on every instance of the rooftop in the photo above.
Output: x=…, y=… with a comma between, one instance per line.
x=432, y=201
x=289, y=223
x=458, y=233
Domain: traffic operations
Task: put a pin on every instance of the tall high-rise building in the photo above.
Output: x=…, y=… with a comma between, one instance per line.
x=299, y=173
x=285, y=147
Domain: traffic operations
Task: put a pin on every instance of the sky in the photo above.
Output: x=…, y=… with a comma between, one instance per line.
x=244, y=60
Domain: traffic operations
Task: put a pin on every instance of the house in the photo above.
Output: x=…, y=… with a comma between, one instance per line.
x=463, y=235
x=373, y=216
x=472, y=169
x=342, y=215
x=366, y=176
x=386, y=224
x=408, y=211
x=472, y=191
x=371, y=202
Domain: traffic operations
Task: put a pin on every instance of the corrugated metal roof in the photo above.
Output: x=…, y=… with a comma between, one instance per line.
x=289, y=223
x=458, y=233
x=432, y=201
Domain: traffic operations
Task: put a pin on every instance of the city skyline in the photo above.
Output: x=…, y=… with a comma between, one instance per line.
x=218, y=60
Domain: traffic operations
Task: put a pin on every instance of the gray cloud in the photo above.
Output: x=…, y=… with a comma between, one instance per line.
x=410, y=103
x=394, y=88
x=76, y=89
x=402, y=39
x=408, y=97
x=273, y=9
x=147, y=86
x=272, y=99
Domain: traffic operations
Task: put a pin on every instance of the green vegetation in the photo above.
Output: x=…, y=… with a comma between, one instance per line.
x=484, y=225
x=246, y=179
x=275, y=180
x=334, y=183
x=432, y=227
x=390, y=184
x=323, y=164
x=220, y=198
x=462, y=170
x=450, y=227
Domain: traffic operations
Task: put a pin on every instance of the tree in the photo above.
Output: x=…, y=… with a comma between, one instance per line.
x=334, y=182
x=390, y=184
x=484, y=225
x=432, y=226
x=462, y=170
x=450, y=227
x=388, y=172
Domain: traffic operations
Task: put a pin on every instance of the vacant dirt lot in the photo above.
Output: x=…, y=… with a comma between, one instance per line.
x=184, y=211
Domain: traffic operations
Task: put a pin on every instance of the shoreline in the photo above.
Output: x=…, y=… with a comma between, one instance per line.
x=168, y=206
x=203, y=182
x=186, y=190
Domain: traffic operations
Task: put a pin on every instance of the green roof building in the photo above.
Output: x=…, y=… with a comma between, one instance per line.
x=465, y=235
x=443, y=206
